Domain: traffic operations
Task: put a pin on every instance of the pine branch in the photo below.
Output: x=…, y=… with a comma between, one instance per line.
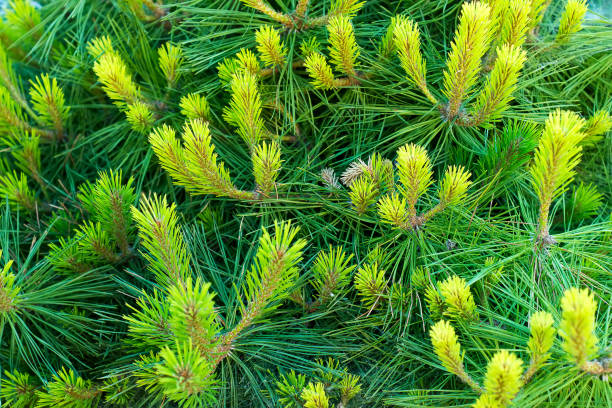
x=194, y=166
x=167, y=254
x=557, y=155
x=469, y=46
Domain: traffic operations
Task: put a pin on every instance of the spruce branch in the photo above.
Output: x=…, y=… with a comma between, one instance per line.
x=392, y=210
x=453, y=190
x=265, y=8
x=14, y=186
x=67, y=388
x=577, y=327
x=536, y=12
x=116, y=81
x=463, y=64
x=460, y=303
x=363, y=193
x=96, y=242
x=314, y=396
x=195, y=106
x=371, y=284
x=269, y=279
x=185, y=377
x=109, y=200
x=331, y=274
x=8, y=80
x=415, y=175
x=18, y=390
x=9, y=291
x=301, y=8
x=596, y=127
x=516, y=23
x=321, y=72
x=192, y=315
x=140, y=117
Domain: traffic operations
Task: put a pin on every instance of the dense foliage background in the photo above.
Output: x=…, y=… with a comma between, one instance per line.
x=104, y=280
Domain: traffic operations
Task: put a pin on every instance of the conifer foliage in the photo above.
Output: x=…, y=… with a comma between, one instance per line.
x=305, y=204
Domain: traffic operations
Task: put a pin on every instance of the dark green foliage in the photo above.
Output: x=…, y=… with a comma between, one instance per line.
x=263, y=203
